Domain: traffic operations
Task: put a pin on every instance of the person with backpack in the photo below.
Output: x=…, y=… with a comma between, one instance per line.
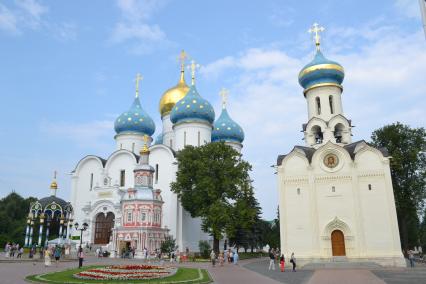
x=293, y=261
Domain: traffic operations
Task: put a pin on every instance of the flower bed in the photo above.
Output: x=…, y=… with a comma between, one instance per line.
x=126, y=272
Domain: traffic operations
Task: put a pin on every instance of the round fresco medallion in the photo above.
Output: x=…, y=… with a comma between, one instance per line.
x=53, y=206
x=331, y=161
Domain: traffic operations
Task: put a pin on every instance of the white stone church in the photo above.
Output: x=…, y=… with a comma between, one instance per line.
x=336, y=198
x=103, y=191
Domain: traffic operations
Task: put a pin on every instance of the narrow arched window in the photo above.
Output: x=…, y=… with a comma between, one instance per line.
x=318, y=102
x=333, y=189
x=369, y=187
x=330, y=101
x=298, y=191
x=199, y=138
x=184, y=138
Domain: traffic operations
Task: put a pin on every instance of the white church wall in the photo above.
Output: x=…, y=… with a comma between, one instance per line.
x=168, y=134
x=323, y=94
x=162, y=158
x=118, y=161
x=192, y=133
x=82, y=193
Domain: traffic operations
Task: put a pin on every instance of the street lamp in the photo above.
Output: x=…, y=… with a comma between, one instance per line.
x=83, y=228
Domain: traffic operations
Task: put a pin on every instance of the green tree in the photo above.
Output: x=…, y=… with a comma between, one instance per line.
x=212, y=182
x=204, y=248
x=407, y=148
x=13, y=213
x=168, y=245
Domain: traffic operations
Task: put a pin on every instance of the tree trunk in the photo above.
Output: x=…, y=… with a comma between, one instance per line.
x=216, y=245
x=404, y=233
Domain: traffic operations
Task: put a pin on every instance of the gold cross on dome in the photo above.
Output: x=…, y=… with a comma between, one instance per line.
x=138, y=78
x=193, y=67
x=316, y=29
x=224, y=94
x=182, y=57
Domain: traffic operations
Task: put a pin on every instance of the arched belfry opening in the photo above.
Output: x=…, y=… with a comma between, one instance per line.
x=318, y=135
x=338, y=132
x=103, y=227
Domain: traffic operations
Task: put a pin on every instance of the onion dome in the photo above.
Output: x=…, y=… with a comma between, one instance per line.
x=173, y=95
x=227, y=130
x=135, y=120
x=320, y=72
x=192, y=108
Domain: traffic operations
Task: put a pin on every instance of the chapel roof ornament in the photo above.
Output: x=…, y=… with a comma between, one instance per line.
x=138, y=78
x=224, y=95
x=193, y=67
x=145, y=149
x=316, y=29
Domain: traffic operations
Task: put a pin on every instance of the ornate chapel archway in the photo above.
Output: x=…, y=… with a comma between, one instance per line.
x=103, y=228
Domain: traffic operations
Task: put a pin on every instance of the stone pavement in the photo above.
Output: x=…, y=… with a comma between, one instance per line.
x=15, y=272
x=254, y=271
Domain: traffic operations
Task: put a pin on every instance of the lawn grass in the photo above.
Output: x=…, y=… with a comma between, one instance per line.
x=183, y=275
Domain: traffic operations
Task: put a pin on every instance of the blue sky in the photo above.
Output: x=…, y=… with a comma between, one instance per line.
x=67, y=71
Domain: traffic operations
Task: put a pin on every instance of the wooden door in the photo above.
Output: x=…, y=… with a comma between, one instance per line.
x=103, y=228
x=338, y=243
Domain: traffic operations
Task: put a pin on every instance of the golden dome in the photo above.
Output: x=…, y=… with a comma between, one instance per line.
x=54, y=185
x=173, y=95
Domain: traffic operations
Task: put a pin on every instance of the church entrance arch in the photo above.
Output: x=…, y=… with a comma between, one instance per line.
x=338, y=243
x=103, y=228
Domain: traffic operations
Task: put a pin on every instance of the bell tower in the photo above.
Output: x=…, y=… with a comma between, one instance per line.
x=321, y=80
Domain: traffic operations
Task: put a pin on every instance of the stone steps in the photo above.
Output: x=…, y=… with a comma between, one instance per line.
x=340, y=263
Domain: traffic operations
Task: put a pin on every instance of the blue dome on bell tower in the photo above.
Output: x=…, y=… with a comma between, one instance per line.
x=226, y=129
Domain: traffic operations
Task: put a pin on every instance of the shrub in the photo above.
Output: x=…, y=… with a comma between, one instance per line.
x=204, y=247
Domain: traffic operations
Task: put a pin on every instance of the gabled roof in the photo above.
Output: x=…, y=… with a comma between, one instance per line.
x=350, y=148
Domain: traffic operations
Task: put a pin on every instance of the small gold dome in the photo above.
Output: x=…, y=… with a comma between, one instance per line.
x=54, y=185
x=173, y=95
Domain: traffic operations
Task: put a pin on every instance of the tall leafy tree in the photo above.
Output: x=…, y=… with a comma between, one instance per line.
x=212, y=182
x=407, y=147
x=13, y=213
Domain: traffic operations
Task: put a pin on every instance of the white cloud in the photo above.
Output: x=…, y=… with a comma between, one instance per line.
x=133, y=26
x=32, y=8
x=90, y=134
x=8, y=20
x=384, y=83
x=409, y=8
x=32, y=15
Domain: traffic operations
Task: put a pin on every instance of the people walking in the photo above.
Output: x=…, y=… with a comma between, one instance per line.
x=271, y=260
x=213, y=258
x=293, y=261
x=20, y=252
x=236, y=257
x=221, y=258
x=57, y=255
x=411, y=258
x=282, y=263
x=47, y=260
x=80, y=256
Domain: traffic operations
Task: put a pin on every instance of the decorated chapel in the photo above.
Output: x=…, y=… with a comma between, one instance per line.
x=336, y=198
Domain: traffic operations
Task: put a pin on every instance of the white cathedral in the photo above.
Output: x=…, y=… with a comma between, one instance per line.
x=128, y=202
x=336, y=198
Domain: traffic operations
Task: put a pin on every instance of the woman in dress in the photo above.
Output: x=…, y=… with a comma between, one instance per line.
x=282, y=262
x=47, y=261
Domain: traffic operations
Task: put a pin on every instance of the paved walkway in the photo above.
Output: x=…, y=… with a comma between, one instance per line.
x=345, y=276
x=254, y=271
x=15, y=272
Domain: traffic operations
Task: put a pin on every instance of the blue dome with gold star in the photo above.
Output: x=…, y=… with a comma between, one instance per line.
x=227, y=130
x=192, y=108
x=135, y=120
x=320, y=72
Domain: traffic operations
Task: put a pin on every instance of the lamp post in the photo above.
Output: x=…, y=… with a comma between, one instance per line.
x=83, y=228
